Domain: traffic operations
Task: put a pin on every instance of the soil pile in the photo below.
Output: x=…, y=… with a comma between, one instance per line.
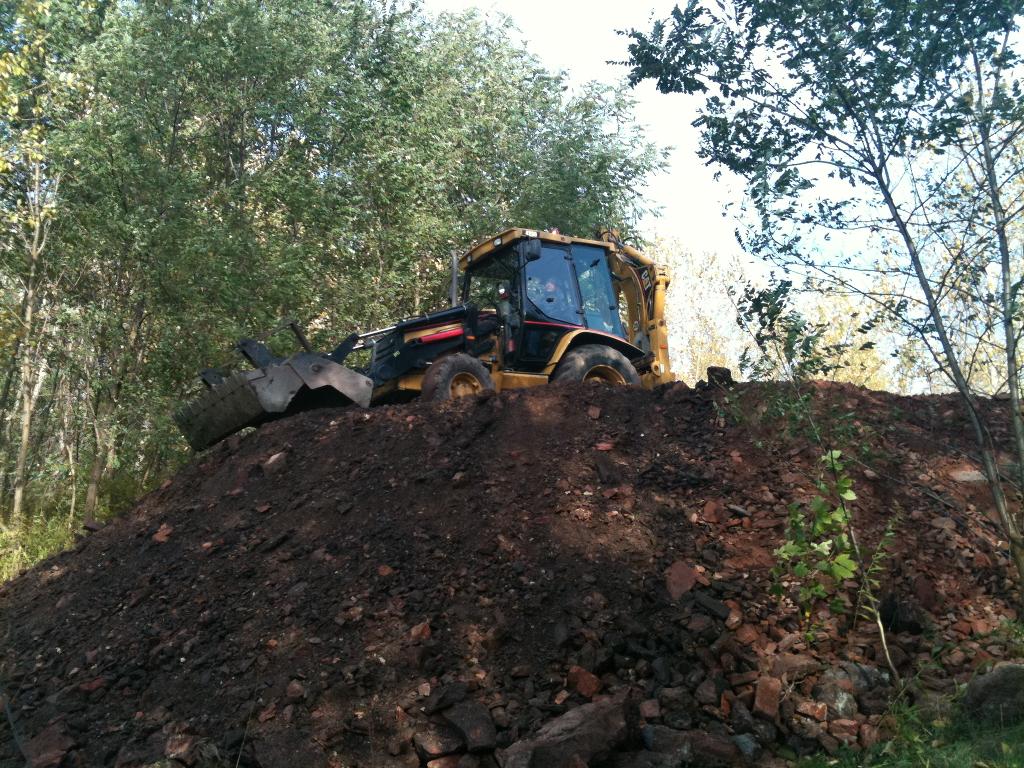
x=573, y=575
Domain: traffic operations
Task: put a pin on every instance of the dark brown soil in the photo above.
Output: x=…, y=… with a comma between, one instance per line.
x=301, y=596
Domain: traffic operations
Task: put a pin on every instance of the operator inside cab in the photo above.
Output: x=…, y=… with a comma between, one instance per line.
x=552, y=298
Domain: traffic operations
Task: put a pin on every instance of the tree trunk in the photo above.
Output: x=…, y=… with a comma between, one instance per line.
x=952, y=367
x=31, y=386
x=92, y=489
x=38, y=196
x=1007, y=310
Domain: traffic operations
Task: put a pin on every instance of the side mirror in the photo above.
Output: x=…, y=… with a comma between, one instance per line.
x=531, y=249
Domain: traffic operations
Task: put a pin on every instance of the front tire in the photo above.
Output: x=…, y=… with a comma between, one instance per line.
x=456, y=376
x=596, y=362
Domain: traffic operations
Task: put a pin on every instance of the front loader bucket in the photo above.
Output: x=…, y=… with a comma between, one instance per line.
x=249, y=398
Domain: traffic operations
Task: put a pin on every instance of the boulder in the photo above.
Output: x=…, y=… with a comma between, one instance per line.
x=841, y=703
x=589, y=732
x=473, y=721
x=48, y=748
x=997, y=698
x=437, y=740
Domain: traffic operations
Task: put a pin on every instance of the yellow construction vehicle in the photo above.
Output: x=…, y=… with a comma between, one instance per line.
x=528, y=307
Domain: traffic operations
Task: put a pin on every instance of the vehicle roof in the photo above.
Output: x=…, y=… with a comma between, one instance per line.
x=509, y=236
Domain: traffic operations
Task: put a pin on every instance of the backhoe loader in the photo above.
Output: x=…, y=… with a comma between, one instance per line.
x=528, y=307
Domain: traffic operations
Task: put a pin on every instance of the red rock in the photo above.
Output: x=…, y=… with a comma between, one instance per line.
x=794, y=665
x=747, y=634
x=585, y=683
x=815, y=709
x=679, y=579
x=712, y=508
x=924, y=590
x=767, y=696
x=735, y=617
x=961, y=628
x=743, y=678
x=846, y=731
x=650, y=709
x=163, y=534
x=93, y=685
x=295, y=691
x=181, y=747
x=420, y=632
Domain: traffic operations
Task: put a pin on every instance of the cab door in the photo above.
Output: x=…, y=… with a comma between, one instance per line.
x=599, y=299
x=551, y=305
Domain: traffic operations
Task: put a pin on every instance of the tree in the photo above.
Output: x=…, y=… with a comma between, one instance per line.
x=699, y=296
x=226, y=164
x=861, y=119
x=29, y=195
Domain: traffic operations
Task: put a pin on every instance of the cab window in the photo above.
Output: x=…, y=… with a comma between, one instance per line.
x=600, y=307
x=550, y=287
x=483, y=281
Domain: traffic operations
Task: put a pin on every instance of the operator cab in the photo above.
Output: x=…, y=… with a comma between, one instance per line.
x=542, y=289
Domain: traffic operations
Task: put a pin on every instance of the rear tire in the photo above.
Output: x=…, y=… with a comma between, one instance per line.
x=456, y=376
x=596, y=362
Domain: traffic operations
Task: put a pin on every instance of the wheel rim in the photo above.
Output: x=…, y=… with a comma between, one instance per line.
x=465, y=385
x=604, y=373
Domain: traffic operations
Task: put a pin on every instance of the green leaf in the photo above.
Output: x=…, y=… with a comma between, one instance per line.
x=843, y=567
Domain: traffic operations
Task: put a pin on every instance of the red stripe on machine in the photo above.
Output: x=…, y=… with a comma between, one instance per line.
x=441, y=336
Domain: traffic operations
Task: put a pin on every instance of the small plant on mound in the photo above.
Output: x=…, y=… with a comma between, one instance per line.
x=818, y=550
x=821, y=553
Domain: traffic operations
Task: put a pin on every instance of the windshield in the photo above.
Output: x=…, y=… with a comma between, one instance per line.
x=549, y=286
x=600, y=307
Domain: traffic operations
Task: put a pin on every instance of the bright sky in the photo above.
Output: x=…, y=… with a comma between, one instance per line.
x=580, y=37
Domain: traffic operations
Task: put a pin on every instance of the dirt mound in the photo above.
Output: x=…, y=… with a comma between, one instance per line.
x=453, y=583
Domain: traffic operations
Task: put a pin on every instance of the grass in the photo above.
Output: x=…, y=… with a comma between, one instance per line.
x=941, y=744
x=35, y=541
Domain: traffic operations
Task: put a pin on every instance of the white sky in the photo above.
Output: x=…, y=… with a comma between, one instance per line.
x=580, y=37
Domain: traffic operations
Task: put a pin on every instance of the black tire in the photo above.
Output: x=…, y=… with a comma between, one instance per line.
x=596, y=362
x=456, y=376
